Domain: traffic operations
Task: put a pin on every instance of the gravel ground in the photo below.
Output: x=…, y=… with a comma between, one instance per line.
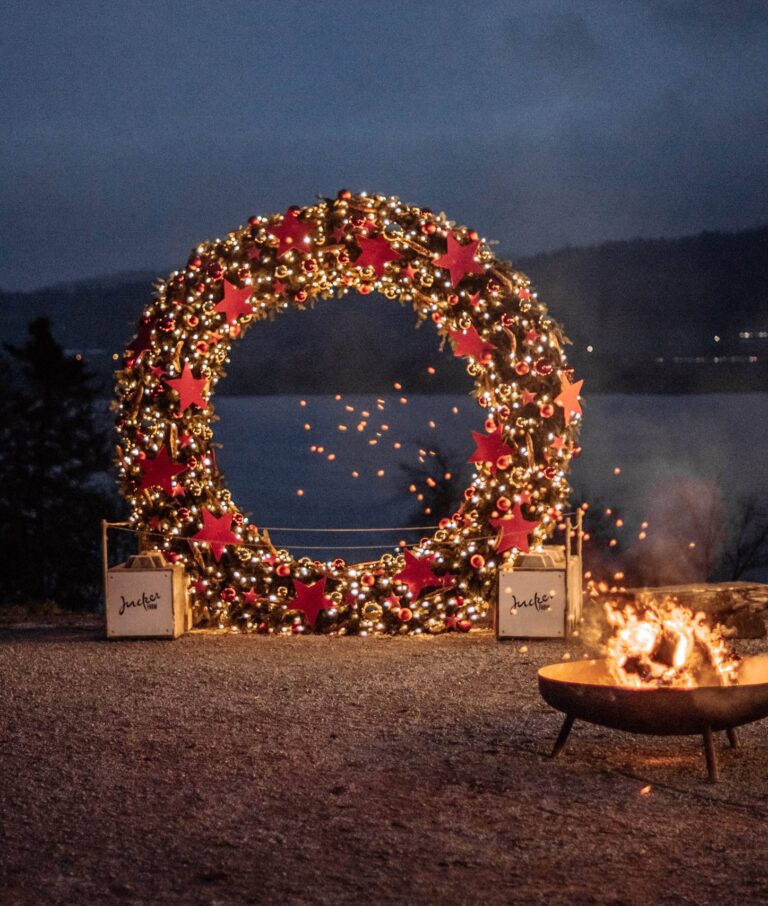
x=231, y=769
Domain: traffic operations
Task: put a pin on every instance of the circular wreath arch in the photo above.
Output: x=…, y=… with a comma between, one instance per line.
x=484, y=307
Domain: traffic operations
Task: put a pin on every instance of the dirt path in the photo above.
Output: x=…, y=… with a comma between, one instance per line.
x=228, y=769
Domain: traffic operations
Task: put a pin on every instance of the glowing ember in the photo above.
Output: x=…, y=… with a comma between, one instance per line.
x=664, y=644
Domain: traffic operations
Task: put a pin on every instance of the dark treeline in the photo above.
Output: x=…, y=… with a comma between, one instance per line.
x=634, y=302
x=55, y=453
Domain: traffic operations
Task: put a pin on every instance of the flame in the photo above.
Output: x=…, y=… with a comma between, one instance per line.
x=664, y=644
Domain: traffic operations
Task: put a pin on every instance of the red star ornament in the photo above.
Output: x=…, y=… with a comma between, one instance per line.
x=391, y=603
x=310, y=599
x=367, y=226
x=141, y=344
x=375, y=253
x=528, y=397
x=459, y=260
x=217, y=532
x=513, y=530
x=250, y=597
x=558, y=443
x=160, y=472
x=417, y=574
x=189, y=388
x=490, y=448
x=469, y=343
x=568, y=398
x=338, y=233
x=531, y=335
x=234, y=302
x=293, y=233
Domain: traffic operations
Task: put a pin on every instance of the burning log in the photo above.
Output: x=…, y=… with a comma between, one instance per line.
x=664, y=644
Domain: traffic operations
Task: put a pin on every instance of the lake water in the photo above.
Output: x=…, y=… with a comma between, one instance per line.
x=716, y=440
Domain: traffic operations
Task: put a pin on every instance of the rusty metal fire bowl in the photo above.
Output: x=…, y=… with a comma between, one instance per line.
x=585, y=690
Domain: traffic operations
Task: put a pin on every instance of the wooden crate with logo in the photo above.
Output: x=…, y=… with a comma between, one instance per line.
x=146, y=598
x=541, y=596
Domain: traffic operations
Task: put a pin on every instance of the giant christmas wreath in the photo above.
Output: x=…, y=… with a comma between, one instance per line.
x=484, y=307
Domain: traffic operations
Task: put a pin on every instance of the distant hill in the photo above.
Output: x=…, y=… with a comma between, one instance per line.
x=635, y=302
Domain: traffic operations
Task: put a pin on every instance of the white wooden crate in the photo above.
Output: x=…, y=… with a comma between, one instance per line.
x=146, y=598
x=540, y=597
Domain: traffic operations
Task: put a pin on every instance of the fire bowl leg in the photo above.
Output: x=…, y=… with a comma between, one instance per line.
x=709, y=754
x=733, y=738
x=562, y=737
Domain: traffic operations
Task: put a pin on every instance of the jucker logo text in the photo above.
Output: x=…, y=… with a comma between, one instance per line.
x=148, y=602
x=540, y=602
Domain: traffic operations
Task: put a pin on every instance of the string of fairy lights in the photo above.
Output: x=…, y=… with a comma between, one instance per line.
x=481, y=305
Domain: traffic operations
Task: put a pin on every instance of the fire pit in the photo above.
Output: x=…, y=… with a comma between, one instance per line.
x=667, y=674
x=586, y=691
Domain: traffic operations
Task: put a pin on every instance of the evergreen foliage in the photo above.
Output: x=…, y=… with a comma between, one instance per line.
x=54, y=486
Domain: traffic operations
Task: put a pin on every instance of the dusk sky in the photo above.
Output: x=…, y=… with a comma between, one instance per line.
x=133, y=130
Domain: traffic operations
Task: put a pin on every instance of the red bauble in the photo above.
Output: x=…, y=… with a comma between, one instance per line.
x=405, y=614
x=464, y=625
x=367, y=580
x=546, y=410
x=503, y=503
x=503, y=463
x=477, y=561
x=522, y=368
x=283, y=570
x=544, y=366
x=228, y=594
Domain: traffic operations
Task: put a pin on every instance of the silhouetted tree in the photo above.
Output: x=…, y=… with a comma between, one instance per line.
x=437, y=482
x=746, y=540
x=54, y=456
